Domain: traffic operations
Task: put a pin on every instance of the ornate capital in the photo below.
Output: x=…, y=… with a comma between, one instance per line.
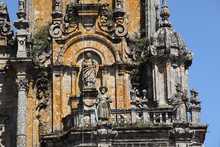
x=22, y=84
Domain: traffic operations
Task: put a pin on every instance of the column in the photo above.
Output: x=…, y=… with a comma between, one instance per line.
x=22, y=87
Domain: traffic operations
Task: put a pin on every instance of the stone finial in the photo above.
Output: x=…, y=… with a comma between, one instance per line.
x=21, y=5
x=57, y=14
x=21, y=10
x=194, y=98
x=165, y=14
x=21, y=23
x=196, y=107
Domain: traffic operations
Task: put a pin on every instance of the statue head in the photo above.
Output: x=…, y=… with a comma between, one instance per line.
x=88, y=55
x=103, y=89
x=178, y=87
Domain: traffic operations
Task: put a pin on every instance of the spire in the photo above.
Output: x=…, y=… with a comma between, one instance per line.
x=165, y=14
x=22, y=25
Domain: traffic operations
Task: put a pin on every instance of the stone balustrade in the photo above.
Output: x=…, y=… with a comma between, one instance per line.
x=123, y=117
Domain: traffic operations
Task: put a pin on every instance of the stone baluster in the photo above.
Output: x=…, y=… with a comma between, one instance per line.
x=161, y=118
x=166, y=117
x=146, y=115
x=196, y=107
x=133, y=107
x=92, y=118
x=154, y=117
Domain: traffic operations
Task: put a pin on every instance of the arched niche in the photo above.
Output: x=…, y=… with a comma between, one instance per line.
x=94, y=56
x=100, y=46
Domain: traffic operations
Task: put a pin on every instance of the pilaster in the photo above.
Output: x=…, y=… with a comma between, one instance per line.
x=152, y=16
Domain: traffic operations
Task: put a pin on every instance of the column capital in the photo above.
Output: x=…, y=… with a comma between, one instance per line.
x=22, y=84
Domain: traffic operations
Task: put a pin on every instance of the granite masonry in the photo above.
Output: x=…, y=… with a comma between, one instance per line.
x=95, y=73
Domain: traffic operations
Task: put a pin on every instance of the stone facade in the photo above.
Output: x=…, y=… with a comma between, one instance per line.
x=95, y=73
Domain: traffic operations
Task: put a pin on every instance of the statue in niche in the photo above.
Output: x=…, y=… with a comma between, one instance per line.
x=103, y=101
x=180, y=101
x=89, y=71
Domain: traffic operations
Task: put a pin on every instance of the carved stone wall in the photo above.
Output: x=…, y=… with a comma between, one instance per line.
x=56, y=101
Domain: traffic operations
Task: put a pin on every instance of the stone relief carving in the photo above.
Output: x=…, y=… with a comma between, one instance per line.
x=112, y=21
x=43, y=92
x=42, y=95
x=43, y=57
x=180, y=101
x=71, y=19
x=5, y=26
x=103, y=105
x=89, y=71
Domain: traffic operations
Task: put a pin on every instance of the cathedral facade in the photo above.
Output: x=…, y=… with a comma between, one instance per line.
x=95, y=73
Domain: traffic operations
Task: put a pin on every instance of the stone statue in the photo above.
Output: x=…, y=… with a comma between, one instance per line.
x=89, y=71
x=103, y=104
x=180, y=102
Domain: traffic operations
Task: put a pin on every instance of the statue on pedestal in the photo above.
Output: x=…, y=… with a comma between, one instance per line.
x=180, y=101
x=103, y=104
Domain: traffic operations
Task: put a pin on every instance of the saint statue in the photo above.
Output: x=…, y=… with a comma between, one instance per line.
x=180, y=102
x=89, y=71
x=103, y=104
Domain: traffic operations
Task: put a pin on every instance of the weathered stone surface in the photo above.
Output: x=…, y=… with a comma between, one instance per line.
x=89, y=48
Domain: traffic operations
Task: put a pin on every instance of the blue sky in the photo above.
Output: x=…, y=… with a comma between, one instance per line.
x=198, y=22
